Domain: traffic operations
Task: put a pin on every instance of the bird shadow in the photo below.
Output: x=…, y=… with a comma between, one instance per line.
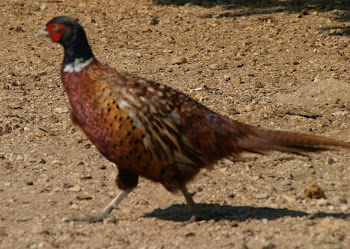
x=179, y=213
x=266, y=7
x=288, y=5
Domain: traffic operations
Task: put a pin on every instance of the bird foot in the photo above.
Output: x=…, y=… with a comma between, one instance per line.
x=194, y=218
x=101, y=217
x=105, y=214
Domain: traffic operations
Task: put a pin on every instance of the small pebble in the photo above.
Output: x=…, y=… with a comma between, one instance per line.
x=75, y=188
x=227, y=77
x=329, y=161
x=249, y=107
x=314, y=191
x=261, y=196
x=56, y=162
x=40, y=133
x=43, y=6
x=322, y=202
x=179, y=60
x=61, y=110
x=342, y=200
x=74, y=206
x=236, y=80
x=319, y=78
x=289, y=198
x=286, y=183
x=340, y=113
x=215, y=67
x=29, y=183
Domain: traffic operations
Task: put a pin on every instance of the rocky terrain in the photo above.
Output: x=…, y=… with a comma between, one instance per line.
x=275, y=63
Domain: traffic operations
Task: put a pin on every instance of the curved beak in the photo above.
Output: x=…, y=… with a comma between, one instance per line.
x=42, y=33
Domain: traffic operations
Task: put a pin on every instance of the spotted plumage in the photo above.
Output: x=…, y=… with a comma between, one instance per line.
x=151, y=130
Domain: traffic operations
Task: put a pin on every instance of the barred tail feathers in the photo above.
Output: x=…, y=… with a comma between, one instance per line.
x=264, y=140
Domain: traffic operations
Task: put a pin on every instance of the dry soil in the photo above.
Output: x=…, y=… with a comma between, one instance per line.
x=278, y=64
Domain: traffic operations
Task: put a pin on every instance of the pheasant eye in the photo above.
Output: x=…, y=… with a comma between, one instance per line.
x=57, y=28
x=56, y=31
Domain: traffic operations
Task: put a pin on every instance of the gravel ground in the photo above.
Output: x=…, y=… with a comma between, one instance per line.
x=279, y=64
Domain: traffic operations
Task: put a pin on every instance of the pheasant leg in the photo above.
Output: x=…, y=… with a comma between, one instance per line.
x=192, y=206
x=105, y=213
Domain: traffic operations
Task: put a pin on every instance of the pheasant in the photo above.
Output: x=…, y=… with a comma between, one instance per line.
x=151, y=130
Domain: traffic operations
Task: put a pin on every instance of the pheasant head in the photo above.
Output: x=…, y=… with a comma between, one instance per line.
x=68, y=32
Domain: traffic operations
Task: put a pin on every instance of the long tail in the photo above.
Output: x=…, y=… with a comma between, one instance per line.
x=263, y=140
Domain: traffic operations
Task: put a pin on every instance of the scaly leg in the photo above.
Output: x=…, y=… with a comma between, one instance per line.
x=106, y=212
x=192, y=206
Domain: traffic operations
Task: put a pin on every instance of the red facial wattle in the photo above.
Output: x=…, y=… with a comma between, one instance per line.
x=56, y=30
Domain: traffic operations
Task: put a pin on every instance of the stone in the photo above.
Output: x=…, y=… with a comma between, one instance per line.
x=314, y=191
x=179, y=60
x=75, y=188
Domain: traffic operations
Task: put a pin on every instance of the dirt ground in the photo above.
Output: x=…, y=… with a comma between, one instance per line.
x=278, y=64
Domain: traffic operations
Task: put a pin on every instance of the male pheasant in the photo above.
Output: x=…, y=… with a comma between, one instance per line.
x=151, y=130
